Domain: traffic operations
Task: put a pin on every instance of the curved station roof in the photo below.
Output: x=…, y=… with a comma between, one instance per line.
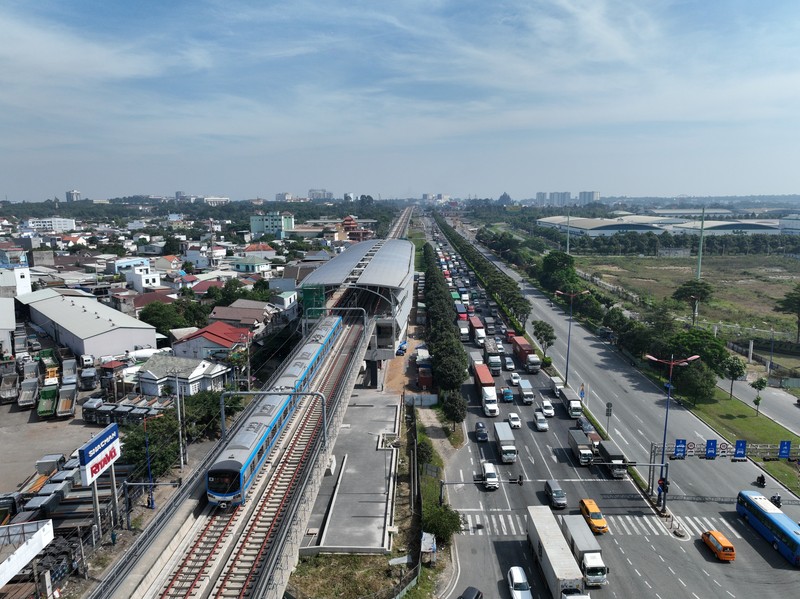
x=377, y=262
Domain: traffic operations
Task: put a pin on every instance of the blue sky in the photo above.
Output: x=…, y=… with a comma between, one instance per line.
x=397, y=99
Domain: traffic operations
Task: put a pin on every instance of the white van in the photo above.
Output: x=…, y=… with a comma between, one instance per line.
x=490, y=479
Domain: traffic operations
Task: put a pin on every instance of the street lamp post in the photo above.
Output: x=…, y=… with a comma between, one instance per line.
x=151, y=501
x=571, y=297
x=671, y=363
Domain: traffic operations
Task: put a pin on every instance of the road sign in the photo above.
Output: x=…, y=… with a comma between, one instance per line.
x=740, y=453
x=784, y=449
x=711, y=449
x=680, y=448
x=608, y=410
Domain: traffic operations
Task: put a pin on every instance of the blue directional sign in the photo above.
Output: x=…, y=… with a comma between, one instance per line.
x=740, y=451
x=680, y=449
x=711, y=449
x=785, y=448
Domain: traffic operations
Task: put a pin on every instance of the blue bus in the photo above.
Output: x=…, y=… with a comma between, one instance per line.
x=771, y=523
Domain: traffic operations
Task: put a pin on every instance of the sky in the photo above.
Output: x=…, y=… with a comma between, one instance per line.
x=396, y=99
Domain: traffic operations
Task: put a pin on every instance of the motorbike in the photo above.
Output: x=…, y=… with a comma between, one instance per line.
x=761, y=481
x=776, y=499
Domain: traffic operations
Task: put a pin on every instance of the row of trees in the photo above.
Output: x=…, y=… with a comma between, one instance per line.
x=503, y=288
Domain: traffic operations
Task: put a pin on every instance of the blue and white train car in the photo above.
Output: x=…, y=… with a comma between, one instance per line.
x=229, y=479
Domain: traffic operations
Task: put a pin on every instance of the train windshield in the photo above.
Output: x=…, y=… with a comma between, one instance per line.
x=224, y=482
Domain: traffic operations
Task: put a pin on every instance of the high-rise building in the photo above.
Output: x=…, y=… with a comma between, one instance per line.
x=560, y=198
x=74, y=196
x=284, y=196
x=541, y=198
x=271, y=223
x=319, y=194
x=587, y=197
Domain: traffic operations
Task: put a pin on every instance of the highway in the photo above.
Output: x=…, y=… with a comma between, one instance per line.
x=645, y=556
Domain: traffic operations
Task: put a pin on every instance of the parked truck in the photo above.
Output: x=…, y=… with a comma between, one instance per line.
x=50, y=366
x=580, y=445
x=8, y=388
x=30, y=370
x=504, y=439
x=475, y=358
x=69, y=372
x=613, y=459
x=490, y=325
x=491, y=357
x=28, y=393
x=526, y=355
x=484, y=385
x=586, y=549
x=87, y=381
x=67, y=396
x=64, y=353
x=463, y=330
x=551, y=552
x=477, y=331
x=48, y=397
x=572, y=403
x=525, y=392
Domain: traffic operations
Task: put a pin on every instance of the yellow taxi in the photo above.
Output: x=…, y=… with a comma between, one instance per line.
x=593, y=516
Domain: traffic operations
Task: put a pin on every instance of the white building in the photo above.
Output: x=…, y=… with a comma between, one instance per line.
x=54, y=224
x=271, y=223
x=205, y=256
x=186, y=375
x=73, y=196
x=588, y=197
x=142, y=276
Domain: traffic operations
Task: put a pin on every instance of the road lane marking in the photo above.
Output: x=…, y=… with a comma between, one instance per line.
x=731, y=528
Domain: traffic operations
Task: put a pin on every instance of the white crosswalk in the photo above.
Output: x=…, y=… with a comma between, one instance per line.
x=503, y=524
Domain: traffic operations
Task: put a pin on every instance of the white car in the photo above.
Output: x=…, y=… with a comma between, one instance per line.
x=547, y=408
x=540, y=421
x=514, y=420
x=518, y=583
x=515, y=378
x=509, y=363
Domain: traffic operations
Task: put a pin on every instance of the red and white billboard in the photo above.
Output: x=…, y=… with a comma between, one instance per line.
x=97, y=455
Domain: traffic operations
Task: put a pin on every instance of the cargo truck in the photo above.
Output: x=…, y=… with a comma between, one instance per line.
x=613, y=459
x=8, y=388
x=556, y=384
x=491, y=357
x=88, y=379
x=50, y=367
x=67, y=396
x=526, y=355
x=504, y=439
x=551, y=552
x=48, y=397
x=475, y=358
x=69, y=372
x=586, y=549
x=572, y=403
x=507, y=394
x=490, y=326
x=476, y=330
x=525, y=392
x=463, y=330
x=28, y=393
x=580, y=445
x=484, y=385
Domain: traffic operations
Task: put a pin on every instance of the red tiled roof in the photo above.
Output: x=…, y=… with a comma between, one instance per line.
x=206, y=285
x=220, y=333
x=140, y=301
x=259, y=247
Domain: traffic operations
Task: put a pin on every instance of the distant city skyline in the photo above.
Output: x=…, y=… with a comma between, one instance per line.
x=244, y=100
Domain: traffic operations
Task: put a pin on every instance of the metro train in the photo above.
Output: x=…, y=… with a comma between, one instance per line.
x=229, y=479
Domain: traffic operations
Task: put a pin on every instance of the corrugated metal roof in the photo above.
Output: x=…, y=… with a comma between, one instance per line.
x=85, y=317
x=377, y=262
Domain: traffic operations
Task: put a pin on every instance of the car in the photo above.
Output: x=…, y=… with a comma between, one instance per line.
x=481, y=434
x=471, y=593
x=509, y=363
x=514, y=420
x=518, y=583
x=540, y=421
x=515, y=378
x=584, y=424
x=503, y=330
x=593, y=516
x=491, y=482
x=547, y=408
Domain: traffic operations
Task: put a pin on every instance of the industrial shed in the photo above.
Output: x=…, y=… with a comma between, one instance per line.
x=78, y=321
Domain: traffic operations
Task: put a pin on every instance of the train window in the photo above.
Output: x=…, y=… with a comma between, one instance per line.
x=223, y=482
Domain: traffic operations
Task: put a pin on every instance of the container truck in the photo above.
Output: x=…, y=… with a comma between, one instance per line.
x=475, y=358
x=463, y=330
x=88, y=379
x=8, y=388
x=572, y=403
x=67, y=396
x=476, y=330
x=28, y=393
x=504, y=439
x=69, y=372
x=613, y=459
x=580, y=445
x=490, y=326
x=551, y=552
x=526, y=355
x=48, y=397
x=586, y=549
x=525, y=392
x=491, y=357
x=484, y=385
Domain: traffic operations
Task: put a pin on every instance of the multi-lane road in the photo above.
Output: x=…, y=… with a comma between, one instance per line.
x=644, y=554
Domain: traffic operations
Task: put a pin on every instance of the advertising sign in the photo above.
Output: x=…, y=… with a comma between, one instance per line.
x=97, y=455
x=740, y=452
x=711, y=449
x=680, y=449
x=784, y=449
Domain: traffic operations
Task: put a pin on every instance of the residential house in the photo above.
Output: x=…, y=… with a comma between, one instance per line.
x=168, y=262
x=251, y=265
x=259, y=250
x=163, y=373
x=204, y=255
x=216, y=341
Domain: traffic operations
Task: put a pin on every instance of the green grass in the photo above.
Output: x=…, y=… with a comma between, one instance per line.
x=456, y=437
x=418, y=239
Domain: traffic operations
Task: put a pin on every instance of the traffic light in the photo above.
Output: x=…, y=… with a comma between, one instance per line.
x=665, y=486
